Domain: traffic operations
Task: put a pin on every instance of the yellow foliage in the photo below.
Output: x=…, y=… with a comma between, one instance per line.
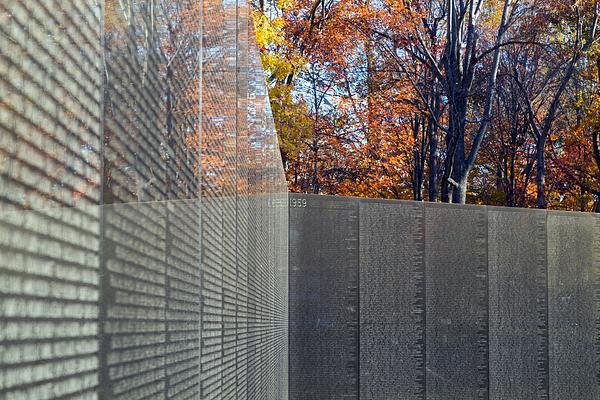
x=278, y=60
x=292, y=120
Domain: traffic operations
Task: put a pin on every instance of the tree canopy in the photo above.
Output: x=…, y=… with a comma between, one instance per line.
x=479, y=101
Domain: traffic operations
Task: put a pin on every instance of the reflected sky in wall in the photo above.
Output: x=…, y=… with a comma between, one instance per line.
x=143, y=219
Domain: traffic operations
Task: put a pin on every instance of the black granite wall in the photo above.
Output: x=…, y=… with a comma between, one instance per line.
x=454, y=302
x=573, y=306
x=392, y=300
x=323, y=299
x=456, y=310
x=518, y=304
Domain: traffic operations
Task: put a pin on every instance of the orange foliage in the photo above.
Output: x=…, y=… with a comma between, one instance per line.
x=375, y=83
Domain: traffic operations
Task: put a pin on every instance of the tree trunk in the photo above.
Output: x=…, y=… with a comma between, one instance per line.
x=510, y=199
x=449, y=162
x=418, y=186
x=540, y=178
x=419, y=155
x=459, y=193
x=315, y=172
x=433, y=147
x=432, y=189
x=596, y=150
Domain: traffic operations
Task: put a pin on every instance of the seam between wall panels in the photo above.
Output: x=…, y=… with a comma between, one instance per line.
x=419, y=313
x=200, y=208
x=545, y=326
x=289, y=249
x=358, y=308
x=596, y=266
x=483, y=328
x=103, y=348
x=486, y=307
x=237, y=202
x=424, y=397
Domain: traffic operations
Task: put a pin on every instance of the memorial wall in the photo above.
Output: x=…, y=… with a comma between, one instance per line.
x=403, y=300
x=144, y=238
x=143, y=205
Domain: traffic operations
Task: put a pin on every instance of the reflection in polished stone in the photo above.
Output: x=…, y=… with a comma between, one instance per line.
x=49, y=295
x=143, y=205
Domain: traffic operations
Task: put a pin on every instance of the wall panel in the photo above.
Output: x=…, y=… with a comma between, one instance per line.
x=573, y=315
x=457, y=302
x=50, y=140
x=323, y=298
x=518, y=304
x=392, y=300
x=49, y=292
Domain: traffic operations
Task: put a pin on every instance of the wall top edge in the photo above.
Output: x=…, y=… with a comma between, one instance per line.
x=325, y=199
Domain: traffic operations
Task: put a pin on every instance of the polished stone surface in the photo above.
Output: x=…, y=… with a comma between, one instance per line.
x=455, y=302
x=573, y=305
x=323, y=298
x=392, y=300
x=144, y=239
x=143, y=204
x=517, y=256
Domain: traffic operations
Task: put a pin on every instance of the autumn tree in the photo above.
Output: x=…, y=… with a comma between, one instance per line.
x=506, y=166
x=435, y=99
x=544, y=74
x=575, y=155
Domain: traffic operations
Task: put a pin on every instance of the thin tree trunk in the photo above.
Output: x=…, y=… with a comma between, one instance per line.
x=433, y=147
x=540, y=178
x=460, y=77
x=315, y=173
x=510, y=200
x=459, y=192
x=596, y=148
x=418, y=175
